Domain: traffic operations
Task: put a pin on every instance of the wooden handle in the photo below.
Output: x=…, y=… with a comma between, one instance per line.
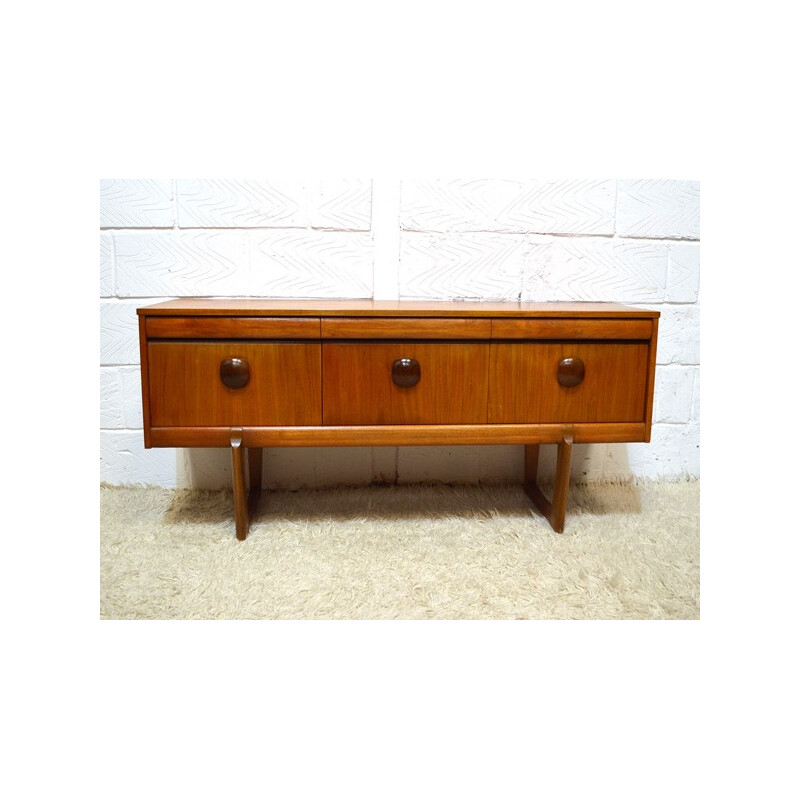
x=234, y=373
x=406, y=372
x=570, y=371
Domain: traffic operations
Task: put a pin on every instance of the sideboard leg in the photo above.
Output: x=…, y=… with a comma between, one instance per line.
x=562, y=484
x=554, y=512
x=531, y=462
x=239, y=488
x=255, y=460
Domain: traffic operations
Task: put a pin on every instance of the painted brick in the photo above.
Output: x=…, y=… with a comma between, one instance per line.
x=500, y=463
x=384, y=464
x=353, y=467
x=290, y=467
x=241, y=204
x=683, y=273
x=111, y=399
x=181, y=263
x=311, y=264
x=131, y=397
x=673, y=452
x=449, y=464
x=590, y=462
x=119, y=333
x=284, y=467
x=124, y=460
x=691, y=448
x=599, y=462
x=695, y=414
x=678, y=335
x=343, y=204
x=136, y=204
x=454, y=205
x=530, y=206
x=106, y=265
x=612, y=270
x=666, y=209
x=461, y=266
x=673, y=394
x=204, y=468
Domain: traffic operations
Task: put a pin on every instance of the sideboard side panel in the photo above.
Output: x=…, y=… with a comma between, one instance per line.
x=145, y=378
x=651, y=381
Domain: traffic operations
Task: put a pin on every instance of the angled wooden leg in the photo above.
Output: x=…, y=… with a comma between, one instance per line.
x=239, y=486
x=561, y=489
x=556, y=511
x=531, y=462
x=254, y=463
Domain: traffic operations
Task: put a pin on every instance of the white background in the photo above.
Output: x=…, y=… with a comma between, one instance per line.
x=696, y=708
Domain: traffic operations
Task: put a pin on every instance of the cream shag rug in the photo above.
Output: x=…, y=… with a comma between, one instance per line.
x=629, y=551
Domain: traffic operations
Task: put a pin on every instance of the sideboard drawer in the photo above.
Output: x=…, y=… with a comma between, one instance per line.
x=407, y=328
x=404, y=383
x=572, y=329
x=233, y=328
x=234, y=383
x=603, y=382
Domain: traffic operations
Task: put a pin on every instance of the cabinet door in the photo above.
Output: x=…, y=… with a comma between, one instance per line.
x=200, y=384
x=524, y=382
x=363, y=387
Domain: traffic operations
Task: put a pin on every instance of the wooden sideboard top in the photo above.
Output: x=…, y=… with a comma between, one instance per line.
x=253, y=307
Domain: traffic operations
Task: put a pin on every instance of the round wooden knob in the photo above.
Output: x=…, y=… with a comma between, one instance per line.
x=234, y=373
x=406, y=372
x=570, y=371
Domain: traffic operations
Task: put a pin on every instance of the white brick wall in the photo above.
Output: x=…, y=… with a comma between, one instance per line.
x=628, y=241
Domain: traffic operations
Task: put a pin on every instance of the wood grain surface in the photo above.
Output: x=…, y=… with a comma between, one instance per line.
x=186, y=390
x=524, y=383
x=358, y=386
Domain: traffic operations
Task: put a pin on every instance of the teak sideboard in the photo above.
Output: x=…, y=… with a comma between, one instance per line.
x=249, y=374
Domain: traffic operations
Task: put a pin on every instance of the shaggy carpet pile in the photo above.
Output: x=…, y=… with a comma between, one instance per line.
x=629, y=551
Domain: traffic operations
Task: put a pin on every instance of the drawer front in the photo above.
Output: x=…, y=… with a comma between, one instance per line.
x=607, y=384
x=571, y=329
x=405, y=328
x=201, y=384
x=363, y=387
x=232, y=328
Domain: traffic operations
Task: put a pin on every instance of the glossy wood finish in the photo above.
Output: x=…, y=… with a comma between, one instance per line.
x=570, y=372
x=525, y=388
x=651, y=381
x=234, y=373
x=396, y=373
x=571, y=328
x=239, y=486
x=555, y=511
x=396, y=435
x=406, y=372
x=401, y=309
x=408, y=328
x=233, y=328
x=358, y=388
x=145, y=375
x=245, y=502
x=186, y=390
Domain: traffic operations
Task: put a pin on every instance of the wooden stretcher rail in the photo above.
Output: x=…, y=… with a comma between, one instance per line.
x=397, y=435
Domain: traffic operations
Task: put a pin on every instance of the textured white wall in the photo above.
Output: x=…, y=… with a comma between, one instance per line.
x=627, y=241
